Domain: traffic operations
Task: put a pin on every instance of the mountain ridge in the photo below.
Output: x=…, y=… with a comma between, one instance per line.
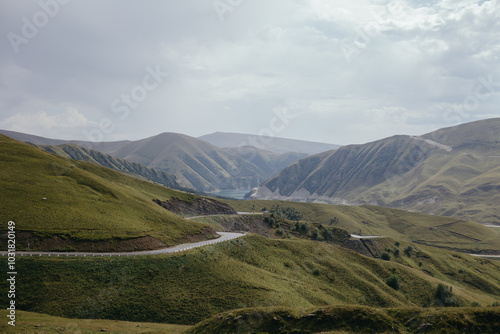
x=273, y=144
x=196, y=164
x=453, y=171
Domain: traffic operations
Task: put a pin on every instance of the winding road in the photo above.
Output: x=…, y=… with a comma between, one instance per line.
x=224, y=236
x=355, y=236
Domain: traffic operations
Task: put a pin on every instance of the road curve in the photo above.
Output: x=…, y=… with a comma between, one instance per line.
x=355, y=236
x=224, y=236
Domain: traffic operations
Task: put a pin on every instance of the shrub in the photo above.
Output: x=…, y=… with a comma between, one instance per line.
x=444, y=296
x=386, y=256
x=420, y=264
x=316, y=272
x=393, y=282
x=315, y=234
x=397, y=244
x=396, y=251
x=409, y=250
x=304, y=227
x=475, y=304
x=327, y=234
x=280, y=232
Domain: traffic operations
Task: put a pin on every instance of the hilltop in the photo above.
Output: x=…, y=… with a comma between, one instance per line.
x=63, y=204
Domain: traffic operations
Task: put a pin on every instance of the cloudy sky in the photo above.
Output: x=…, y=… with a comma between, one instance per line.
x=323, y=70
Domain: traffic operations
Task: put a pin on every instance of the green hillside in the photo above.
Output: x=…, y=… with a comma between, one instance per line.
x=452, y=172
x=52, y=197
x=354, y=319
x=76, y=152
x=437, y=231
x=249, y=272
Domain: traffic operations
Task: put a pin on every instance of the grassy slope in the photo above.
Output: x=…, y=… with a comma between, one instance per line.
x=29, y=322
x=249, y=272
x=459, y=184
x=432, y=230
x=83, y=201
x=131, y=168
x=329, y=320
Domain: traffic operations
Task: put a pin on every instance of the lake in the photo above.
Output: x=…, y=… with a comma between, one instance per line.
x=234, y=193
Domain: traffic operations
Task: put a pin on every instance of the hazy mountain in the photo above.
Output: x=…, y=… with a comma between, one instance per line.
x=133, y=168
x=453, y=171
x=195, y=163
x=269, y=162
x=273, y=144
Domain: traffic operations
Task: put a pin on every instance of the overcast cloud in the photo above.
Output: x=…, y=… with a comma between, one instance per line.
x=332, y=71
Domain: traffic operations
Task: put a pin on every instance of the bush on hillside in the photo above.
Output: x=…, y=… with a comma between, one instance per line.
x=393, y=282
x=409, y=250
x=444, y=296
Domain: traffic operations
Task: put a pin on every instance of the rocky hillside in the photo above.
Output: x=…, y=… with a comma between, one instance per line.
x=453, y=171
x=196, y=206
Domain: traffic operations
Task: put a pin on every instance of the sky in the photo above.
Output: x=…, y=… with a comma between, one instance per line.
x=339, y=72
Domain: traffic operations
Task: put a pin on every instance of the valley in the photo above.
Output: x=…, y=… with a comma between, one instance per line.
x=112, y=235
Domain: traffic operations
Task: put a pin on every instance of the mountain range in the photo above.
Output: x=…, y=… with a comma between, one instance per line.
x=453, y=172
x=192, y=162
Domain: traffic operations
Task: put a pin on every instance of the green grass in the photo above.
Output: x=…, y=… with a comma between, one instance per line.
x=353, y=319
x=29, y=322
x=82, y=201
x=248, y=272
x=438, y=231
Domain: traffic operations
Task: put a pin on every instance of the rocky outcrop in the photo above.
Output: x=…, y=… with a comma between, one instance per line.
x=200, y=206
